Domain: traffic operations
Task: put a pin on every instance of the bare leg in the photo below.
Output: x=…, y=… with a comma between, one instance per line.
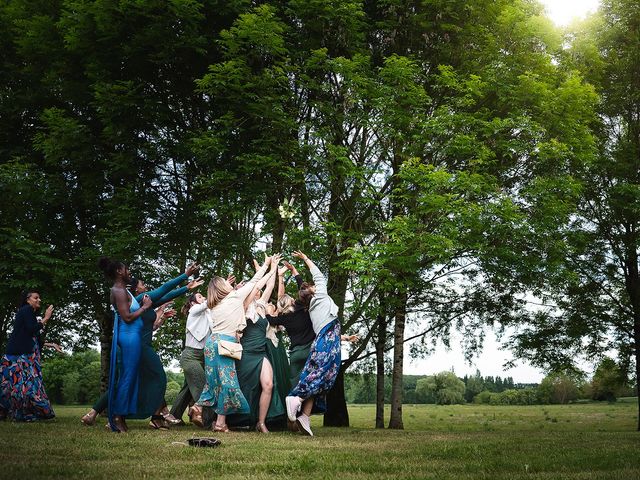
x=221, y=424
x=266, y=383
x=307, y=405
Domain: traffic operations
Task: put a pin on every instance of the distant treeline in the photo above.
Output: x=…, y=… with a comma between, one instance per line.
x=607, y=384
x=75, y=379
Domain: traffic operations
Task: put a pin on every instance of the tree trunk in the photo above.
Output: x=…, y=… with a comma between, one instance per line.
x=106, y=336
x=337, y=414
x=380, y=344
x=398, y=354
x=636, y=335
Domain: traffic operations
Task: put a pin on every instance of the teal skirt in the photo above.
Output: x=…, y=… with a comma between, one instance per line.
x=221, y=390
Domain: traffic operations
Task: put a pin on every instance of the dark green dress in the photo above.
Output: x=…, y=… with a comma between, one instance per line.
x=254, y=351
x=280, y=364
x=153, y=380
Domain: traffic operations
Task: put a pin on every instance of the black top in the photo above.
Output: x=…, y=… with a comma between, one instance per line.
x=298, y=325
x=25, y=327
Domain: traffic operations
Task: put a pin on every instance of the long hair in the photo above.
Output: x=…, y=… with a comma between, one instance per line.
x=285, y=304
x=217, y=290
x=188, y=304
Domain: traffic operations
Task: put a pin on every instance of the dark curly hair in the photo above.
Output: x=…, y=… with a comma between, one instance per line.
x=110, y=267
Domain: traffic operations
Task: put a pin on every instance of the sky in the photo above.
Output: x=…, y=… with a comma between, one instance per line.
x=562, y=12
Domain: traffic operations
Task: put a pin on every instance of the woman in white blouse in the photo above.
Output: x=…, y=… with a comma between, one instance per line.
x=192, y=358
x=226, y=315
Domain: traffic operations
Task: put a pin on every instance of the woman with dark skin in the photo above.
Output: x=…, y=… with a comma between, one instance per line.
x=152, y=383
x=127, y=334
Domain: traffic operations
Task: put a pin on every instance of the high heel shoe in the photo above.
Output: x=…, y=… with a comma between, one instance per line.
x=261, y=428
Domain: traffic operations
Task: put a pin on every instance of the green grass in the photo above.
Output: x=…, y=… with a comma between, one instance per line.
x=583, y=441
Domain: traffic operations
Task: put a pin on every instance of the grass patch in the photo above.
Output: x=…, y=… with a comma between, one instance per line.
x=580, y=441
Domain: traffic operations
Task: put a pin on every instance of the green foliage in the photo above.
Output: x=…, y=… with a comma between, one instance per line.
x=559, y=387
x=172, y=391
x=608, y=381
x=443, y=388
x=450, y=159
x=72, y=378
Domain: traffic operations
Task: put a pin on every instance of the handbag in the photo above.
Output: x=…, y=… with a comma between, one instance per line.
x=204, y=442
x=230, y=349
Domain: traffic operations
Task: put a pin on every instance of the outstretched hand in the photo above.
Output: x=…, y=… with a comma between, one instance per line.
x=55, y=346
x=195, y=283
x=192, y=269
x=275, y=260
x=47, y=314
x=231, y=279
x=300, y=255
x=147, y=302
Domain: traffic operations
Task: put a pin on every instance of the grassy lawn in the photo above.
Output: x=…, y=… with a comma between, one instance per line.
x=581, y=441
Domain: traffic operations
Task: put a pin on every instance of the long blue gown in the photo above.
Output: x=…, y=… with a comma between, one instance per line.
x=123, y=398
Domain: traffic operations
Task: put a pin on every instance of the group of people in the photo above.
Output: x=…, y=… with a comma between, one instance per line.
x=237, y=371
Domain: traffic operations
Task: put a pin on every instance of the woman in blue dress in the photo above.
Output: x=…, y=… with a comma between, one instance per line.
x=127, y=335
x=152, y=379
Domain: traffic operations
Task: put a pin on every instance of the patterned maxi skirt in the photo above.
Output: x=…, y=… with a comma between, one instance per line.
x=22, y=395
x=322, y=367
x=221, y=390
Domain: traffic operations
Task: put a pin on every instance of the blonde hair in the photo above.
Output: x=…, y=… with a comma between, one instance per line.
x=285, y=304
x=217, y=290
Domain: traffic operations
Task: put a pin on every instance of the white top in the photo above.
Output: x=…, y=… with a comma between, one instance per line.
x=322, y=309
x=228, y=316
x=197, y=326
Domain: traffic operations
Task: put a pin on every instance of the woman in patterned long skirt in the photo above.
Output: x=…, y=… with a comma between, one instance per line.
x=227, y=321
x=22, y=395
x=323, y=364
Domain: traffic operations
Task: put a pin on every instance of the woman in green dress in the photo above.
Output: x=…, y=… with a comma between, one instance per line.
x=256, y=367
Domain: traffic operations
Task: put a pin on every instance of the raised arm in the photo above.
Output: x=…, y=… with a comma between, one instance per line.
x=159, y=293
x=295, y=273
x=271, y=282
x=120, y=299
x=318, y=278
x=246, y=289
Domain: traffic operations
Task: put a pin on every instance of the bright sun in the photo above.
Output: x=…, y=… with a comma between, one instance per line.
x=563, y=12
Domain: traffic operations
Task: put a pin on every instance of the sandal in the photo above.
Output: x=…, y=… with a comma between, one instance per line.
x=261, y=428
x=170, y=419
x=119, y=425
x=221, y=428
x=158, y=423
x=195, y=415
x=88, y=420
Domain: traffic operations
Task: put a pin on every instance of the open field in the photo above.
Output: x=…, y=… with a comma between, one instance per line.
x=581, y=441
